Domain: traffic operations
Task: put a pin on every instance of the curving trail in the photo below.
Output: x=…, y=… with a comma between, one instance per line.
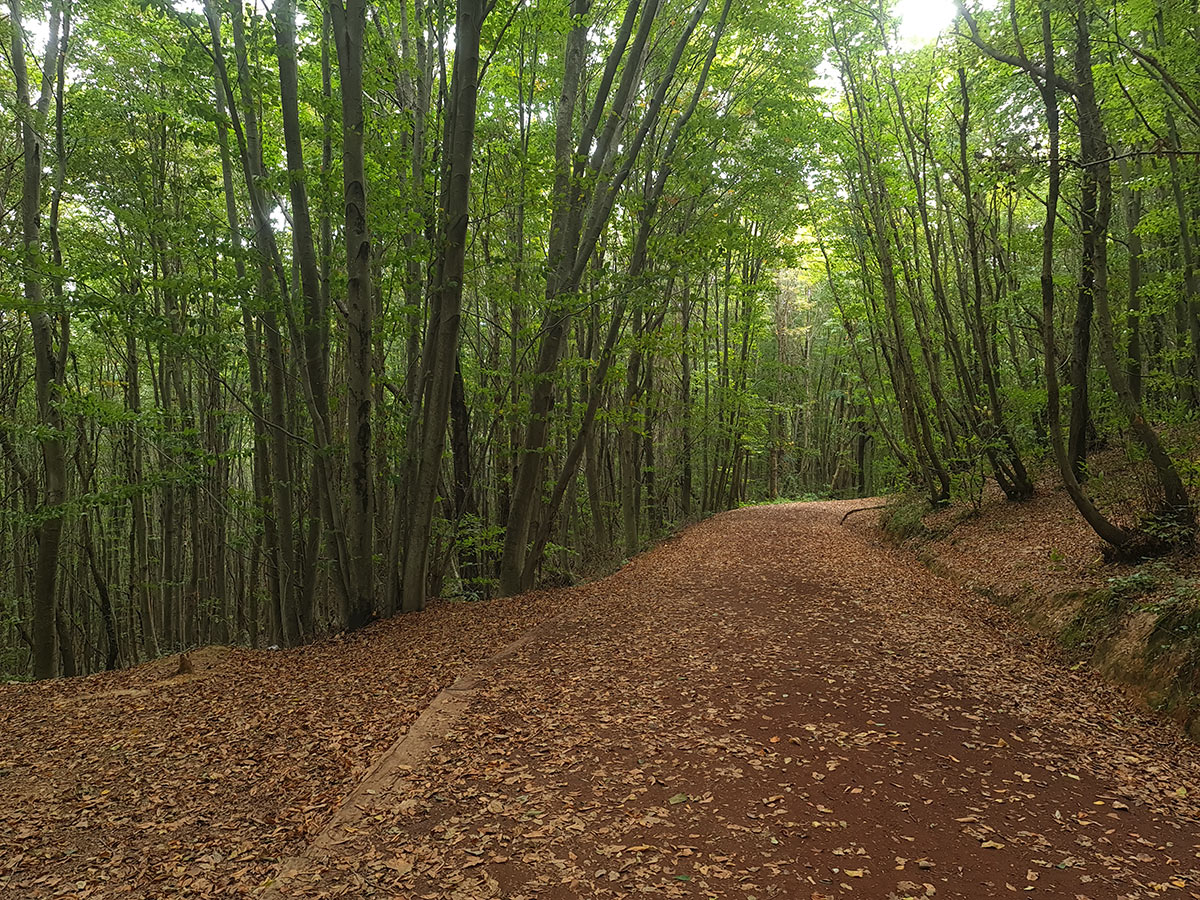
x=773, y=705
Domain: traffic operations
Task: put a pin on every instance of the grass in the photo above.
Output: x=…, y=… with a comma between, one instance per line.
x=1097, y=618
x=904, y=518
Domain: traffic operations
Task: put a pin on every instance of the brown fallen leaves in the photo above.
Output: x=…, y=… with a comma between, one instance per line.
x=140, y=784
x=663, y=735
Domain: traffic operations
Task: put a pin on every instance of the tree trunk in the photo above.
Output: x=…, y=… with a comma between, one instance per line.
x=47, y=362
x=1131, y=196
x=349, y=21
x=442, y=338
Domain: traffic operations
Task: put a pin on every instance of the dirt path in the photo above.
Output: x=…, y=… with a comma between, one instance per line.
x=137, y=784
x=772, y=705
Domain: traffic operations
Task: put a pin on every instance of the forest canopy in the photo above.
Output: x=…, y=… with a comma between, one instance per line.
x=313, y=311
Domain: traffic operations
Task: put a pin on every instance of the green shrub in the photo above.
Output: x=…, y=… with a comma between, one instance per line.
x=1135, y=584
x=904, y=518
x=1096, y=618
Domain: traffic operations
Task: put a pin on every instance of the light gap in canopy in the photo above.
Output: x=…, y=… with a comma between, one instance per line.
x=920, y=22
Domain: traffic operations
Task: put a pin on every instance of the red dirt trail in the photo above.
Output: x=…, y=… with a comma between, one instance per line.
x=771, y=705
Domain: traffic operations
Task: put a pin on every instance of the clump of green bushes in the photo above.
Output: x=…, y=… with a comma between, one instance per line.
x=904, y=518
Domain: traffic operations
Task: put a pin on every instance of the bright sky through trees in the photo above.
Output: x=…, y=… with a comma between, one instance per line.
x=923, y=20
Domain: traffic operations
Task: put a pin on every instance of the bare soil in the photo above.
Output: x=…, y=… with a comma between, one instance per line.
x=772, y=704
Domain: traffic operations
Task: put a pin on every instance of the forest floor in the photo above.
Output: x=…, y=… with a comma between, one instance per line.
x=1041, y=546
x=772, y=704
x=1136, y=623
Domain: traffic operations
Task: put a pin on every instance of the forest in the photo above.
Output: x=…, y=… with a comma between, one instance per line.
x=313, y=312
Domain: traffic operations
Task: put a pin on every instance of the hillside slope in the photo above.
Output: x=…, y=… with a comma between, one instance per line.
x=1138, y=624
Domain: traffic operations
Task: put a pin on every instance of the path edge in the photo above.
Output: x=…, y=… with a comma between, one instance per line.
x=405, y=754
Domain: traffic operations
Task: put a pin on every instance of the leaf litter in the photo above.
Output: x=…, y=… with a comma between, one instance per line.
x=769, y=705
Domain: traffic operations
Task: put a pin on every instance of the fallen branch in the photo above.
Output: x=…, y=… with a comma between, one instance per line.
x=861, y=509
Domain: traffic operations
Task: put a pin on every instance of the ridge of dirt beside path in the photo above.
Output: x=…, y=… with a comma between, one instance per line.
x=774, y=705
x=408, y=752
x=1039, y=563
x=137, y=784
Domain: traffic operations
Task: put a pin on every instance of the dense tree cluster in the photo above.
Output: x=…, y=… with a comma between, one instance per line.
x=311, y=311
x=1010, y=239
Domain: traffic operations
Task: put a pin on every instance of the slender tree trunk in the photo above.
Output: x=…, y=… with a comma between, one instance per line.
x=577, y=223
x=446, y=314
x=349, y=22
x=140, y=562
x=1131, y=196
x=627, y=440
x=261, y=462
x=48, y=363
x=316, y=362
x=1021, y=486
x=527, y=479
x=465, y=501
x=1177, y=512
x=1190, y=304
x=685, y=397
x=1107, y=530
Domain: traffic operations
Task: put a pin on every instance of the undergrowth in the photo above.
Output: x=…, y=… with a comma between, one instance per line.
x=1174, y=602
x=904, y=518
x=802, y=497
x=1177, y=631
x=1095, y=620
